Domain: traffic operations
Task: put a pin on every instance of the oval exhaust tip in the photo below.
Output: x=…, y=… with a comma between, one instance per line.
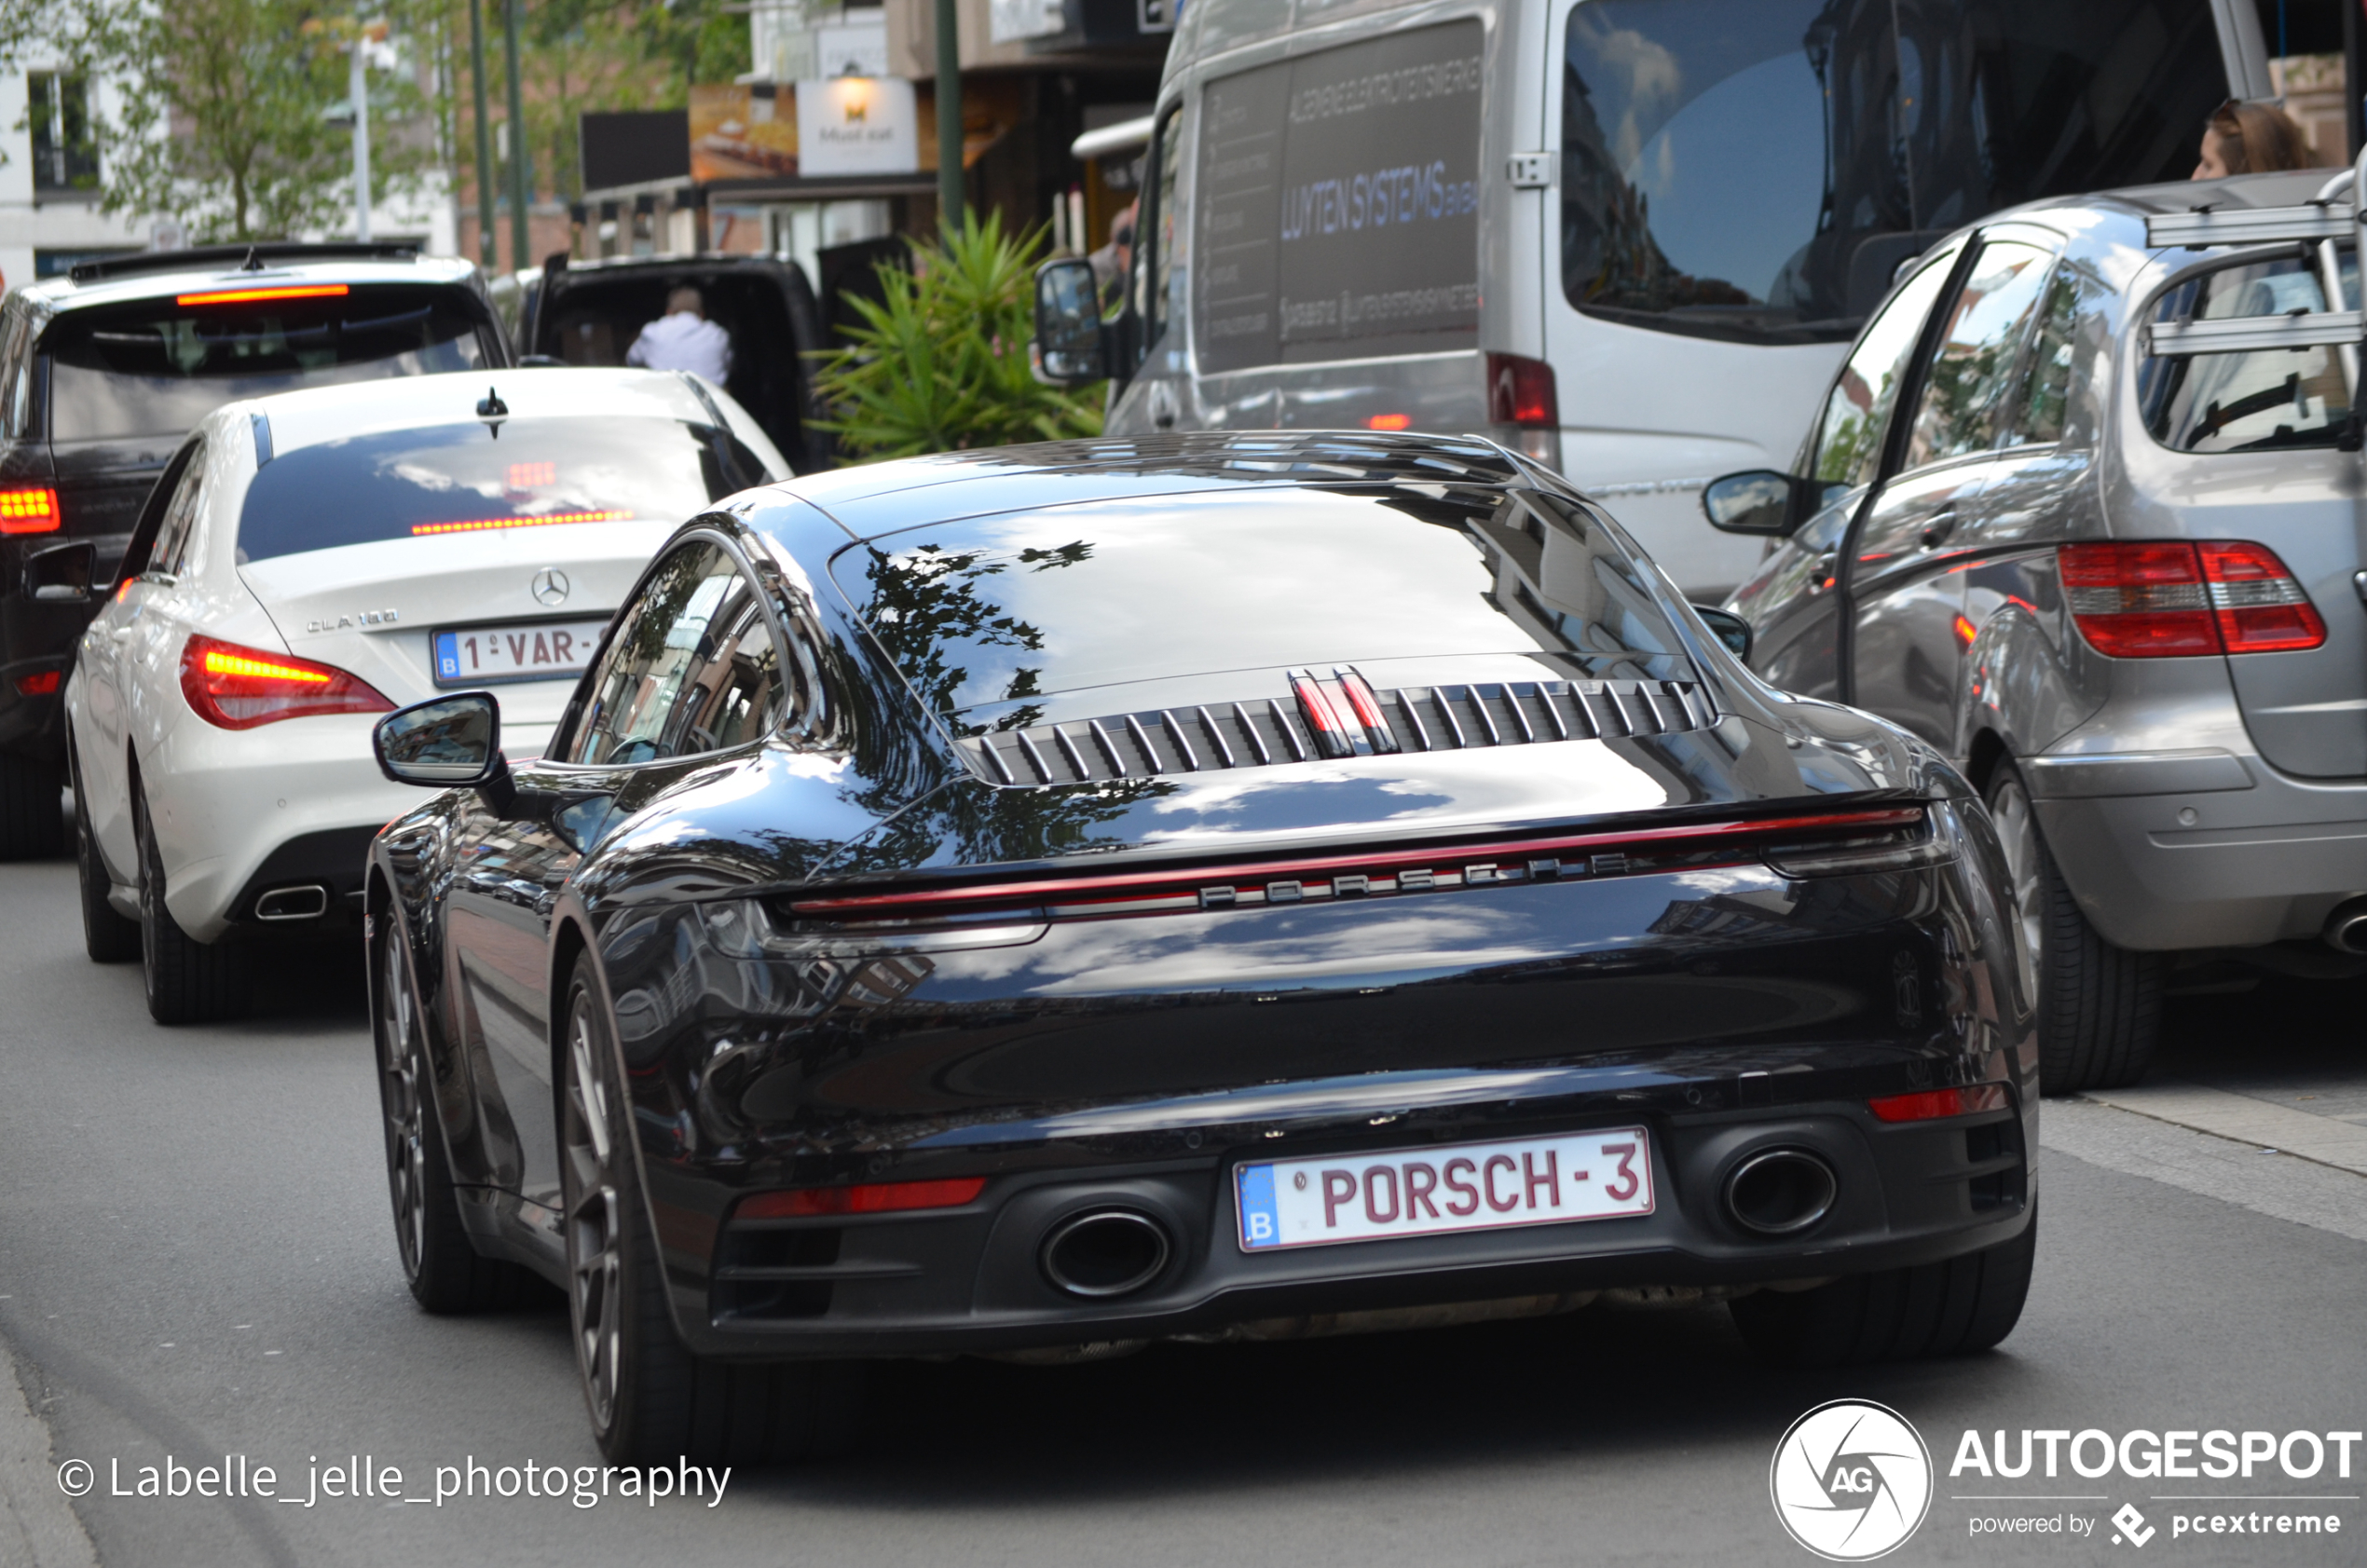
x=1106, y=1252
x=1780, y=1192
x=2346, y=927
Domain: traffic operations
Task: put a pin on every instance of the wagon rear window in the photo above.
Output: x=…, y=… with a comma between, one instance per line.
x=2252, y=402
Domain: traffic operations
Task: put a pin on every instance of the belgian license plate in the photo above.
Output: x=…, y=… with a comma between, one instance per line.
x=1454, y=1187
x=533, y=651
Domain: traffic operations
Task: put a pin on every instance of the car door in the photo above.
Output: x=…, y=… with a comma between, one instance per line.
x=1793, y=603
x=102, y=730
x=691, y=672
x=1906, y=582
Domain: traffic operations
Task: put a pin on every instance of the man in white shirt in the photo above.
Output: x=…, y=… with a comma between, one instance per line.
x=683, y=340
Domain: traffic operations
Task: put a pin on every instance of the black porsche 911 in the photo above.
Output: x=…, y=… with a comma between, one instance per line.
x=1046, y=900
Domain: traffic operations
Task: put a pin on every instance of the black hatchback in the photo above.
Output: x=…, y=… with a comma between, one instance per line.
x=105, y=371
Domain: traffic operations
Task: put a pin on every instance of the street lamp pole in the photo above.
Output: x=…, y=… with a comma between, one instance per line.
x=488, y=248
x=360, y=89
x=520, y=160
x=949, y=118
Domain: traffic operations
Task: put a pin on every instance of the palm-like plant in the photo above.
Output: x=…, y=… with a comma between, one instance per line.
x=941, y=360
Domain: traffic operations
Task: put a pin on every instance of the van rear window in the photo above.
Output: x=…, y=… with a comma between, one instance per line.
x=1338, y=204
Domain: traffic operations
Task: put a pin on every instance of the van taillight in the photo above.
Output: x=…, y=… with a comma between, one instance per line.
x=2168, y=599
x=1520, y=391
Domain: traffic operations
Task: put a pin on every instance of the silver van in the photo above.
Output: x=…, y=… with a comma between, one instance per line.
x=1629, y=237
x=2082, y=508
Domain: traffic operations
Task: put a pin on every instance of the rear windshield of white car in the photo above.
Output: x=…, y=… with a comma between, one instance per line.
x=158, y=367
x=2247, y=402
x=447, y=480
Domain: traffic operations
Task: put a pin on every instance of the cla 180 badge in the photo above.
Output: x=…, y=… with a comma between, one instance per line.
x=1852, y=1481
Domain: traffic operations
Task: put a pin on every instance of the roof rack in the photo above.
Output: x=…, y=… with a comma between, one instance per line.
x=206, y=258
x=2333, y=215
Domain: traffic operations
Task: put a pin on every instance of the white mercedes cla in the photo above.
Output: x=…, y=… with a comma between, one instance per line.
x=312, y=560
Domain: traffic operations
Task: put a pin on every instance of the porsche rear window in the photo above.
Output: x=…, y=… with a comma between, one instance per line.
x=447, y=480
x=157, y=368
x=1008, y=607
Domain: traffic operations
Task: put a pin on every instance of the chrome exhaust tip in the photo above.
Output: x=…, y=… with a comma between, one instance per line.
x=1106, y=1252
x=1781, y=1191
x=2346, y=927
x=308, y=902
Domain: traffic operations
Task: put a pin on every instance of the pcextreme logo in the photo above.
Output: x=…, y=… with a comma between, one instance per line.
x=1851, y=1481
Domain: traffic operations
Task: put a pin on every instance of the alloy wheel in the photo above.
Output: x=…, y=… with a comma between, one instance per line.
x=399, y=1061
x=2018, y=834
x=594, y=1263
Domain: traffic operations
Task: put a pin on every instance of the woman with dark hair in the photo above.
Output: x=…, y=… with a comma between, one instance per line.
x=2248, y=138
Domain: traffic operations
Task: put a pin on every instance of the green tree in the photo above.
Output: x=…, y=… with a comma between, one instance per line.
x=941, y=361
x=220, y=109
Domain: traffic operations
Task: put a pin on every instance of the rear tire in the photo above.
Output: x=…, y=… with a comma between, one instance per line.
x=1954, y=1308
x=2098, y=1006
x=106, y=936
x=187, y=981
x=441, y=1264
x=33, y=823
x=650, y=1398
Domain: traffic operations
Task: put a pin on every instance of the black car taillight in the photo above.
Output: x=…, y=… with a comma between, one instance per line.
x=30, y=510
x=2172, y=598
x=1828, y=843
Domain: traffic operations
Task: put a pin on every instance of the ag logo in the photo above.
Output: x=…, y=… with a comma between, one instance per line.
x=1852, y=1481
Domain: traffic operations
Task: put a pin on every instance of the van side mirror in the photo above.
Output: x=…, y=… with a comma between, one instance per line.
x=61, y=574
x=1757, y=501
x=1072, y=345
x=441, y=742
x=1729, y=628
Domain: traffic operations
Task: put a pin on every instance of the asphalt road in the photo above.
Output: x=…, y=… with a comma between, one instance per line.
x=195, y=1259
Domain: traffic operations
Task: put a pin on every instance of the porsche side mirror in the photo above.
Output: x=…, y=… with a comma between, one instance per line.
x=1759, y=501
x=1072, y=345
x=1729, y=628
x=443, y=743
x=60, y=573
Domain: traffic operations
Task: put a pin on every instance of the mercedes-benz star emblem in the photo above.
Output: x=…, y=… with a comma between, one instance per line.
x=551, y=586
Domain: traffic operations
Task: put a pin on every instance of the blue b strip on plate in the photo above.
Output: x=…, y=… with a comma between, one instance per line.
x=447, y=656
x=1261, y=1226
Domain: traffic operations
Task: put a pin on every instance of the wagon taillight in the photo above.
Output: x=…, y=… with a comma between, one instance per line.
x=2174, y=598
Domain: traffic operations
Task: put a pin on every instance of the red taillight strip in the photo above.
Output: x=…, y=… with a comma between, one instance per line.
x=1932, y=1105
x=1269, y=870
x=250, y=296
x=876, y=1197
x=478, y=524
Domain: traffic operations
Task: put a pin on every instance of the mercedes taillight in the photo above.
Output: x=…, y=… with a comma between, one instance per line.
x=2172, y=598
x=240, y=688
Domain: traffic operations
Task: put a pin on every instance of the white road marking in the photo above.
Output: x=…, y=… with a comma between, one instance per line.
x=2233, y=1170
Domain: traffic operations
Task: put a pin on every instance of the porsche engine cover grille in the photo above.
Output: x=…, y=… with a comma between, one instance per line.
x=1273, y=730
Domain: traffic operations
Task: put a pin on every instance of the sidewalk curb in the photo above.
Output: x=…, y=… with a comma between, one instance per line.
x=38, y=1526
x=2320, y=1139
